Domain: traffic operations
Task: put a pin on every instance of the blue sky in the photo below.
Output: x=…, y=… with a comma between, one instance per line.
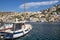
x=31, y=5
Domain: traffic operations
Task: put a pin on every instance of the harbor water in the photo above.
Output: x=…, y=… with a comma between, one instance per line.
x=42, y=31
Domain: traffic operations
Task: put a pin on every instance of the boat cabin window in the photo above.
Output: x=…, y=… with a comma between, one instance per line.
x=8, y=25
x=1, y=24
x=18, y=26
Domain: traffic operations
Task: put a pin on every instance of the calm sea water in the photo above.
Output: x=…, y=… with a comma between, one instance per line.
x=43, y=31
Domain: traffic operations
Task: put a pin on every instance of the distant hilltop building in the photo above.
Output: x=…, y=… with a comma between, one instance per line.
x=53, y=9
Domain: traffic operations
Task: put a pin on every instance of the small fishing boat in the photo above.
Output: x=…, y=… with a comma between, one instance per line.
x=14, y=29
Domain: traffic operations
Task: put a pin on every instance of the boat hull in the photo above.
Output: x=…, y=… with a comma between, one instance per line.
x=15, y=34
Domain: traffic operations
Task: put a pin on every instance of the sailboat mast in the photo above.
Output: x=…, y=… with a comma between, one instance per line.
x=24, y=10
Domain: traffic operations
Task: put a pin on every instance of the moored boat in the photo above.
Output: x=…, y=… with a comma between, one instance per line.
x=14, y=30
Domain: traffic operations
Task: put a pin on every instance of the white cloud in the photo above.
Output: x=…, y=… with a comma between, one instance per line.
x=33, y=4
